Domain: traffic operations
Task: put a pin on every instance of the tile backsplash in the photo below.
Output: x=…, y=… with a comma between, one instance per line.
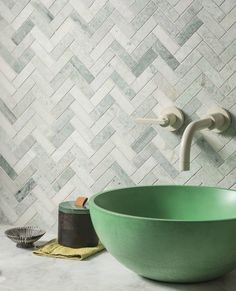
x=74, y=76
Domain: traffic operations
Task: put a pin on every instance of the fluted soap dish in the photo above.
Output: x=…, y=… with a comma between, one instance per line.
x=24, y=237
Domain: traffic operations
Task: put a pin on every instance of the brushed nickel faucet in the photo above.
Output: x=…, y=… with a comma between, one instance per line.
x=217, y=119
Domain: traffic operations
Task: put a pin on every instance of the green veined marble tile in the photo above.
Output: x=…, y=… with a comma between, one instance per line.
x=144, y=62
x=191, y=28
x=143, y=139
x=21, y=33
x=7, y=112
x=7, y=168
x=25, y=190
x=122, y=85
x=82, y=69
x=160, y=49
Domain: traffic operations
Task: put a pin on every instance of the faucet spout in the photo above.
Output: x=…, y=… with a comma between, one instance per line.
x=187, y=138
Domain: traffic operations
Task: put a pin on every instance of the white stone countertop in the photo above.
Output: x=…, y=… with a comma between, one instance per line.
x=22, y=270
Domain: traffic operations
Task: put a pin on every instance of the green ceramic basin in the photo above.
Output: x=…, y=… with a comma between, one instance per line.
x=169, y=233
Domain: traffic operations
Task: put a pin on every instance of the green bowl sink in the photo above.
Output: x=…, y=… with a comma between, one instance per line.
x=169, y=233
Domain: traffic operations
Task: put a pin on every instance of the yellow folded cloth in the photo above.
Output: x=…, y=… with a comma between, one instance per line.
x=53, y=249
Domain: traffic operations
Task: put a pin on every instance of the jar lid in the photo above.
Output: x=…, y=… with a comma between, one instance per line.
x=70, y=207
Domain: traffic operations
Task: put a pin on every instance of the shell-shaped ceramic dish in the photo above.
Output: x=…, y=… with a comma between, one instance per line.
x=25, y=236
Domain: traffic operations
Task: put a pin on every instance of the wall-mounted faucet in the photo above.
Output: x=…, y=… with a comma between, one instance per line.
x=171, y=118
x=217, y=119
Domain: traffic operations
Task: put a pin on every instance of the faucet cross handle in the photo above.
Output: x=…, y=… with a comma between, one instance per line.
x=171, y=118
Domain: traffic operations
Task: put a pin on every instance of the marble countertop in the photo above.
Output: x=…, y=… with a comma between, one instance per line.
x=22, y=270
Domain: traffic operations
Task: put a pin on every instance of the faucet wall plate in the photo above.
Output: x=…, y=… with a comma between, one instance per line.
x=221, y=124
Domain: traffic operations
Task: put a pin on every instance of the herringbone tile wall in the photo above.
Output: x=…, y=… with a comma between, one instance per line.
x=74, y=75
